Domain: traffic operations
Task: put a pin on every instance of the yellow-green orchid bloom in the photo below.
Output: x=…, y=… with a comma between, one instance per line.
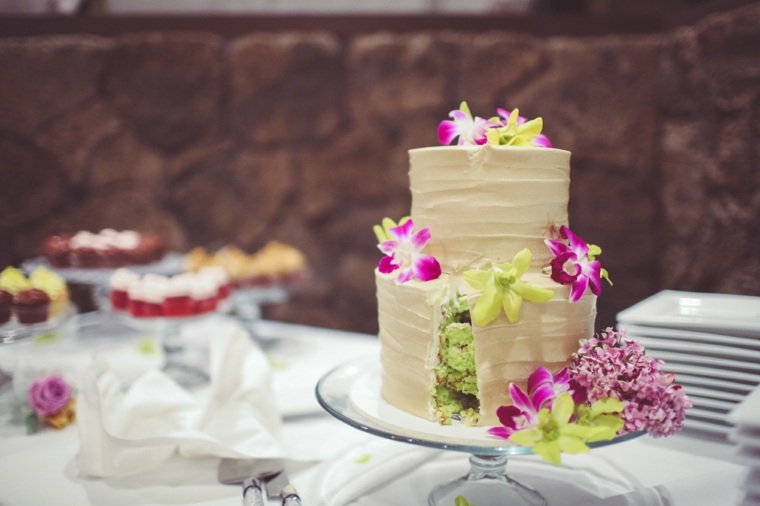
x=556, y=434
x=503, y=288
x=383, y=231
x=516, y=131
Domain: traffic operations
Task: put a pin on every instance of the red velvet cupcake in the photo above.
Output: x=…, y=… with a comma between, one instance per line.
x=32, y=306
x=6, y=306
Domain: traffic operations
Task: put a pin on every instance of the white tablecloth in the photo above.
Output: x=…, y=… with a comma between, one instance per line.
x=41, y=469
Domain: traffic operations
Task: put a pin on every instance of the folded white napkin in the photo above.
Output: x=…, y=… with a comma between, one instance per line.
x=127, y=432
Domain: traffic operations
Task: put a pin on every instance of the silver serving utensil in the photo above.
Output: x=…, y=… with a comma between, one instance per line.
x=279, y=486
x=251, y=474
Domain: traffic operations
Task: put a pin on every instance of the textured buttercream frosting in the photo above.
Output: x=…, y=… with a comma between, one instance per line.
x=483, y=204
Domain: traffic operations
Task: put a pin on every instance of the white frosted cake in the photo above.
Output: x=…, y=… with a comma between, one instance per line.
x=485, y=212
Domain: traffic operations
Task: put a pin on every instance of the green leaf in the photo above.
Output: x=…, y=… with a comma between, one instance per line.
x=488, y=306
x=512, y=303
x=32, y=423
x=363, y=459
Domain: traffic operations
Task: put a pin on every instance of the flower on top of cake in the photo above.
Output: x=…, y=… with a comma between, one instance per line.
x=187, y=294
x=612, y=387
x=34, y=299
x=507, y=128
x=403, y=251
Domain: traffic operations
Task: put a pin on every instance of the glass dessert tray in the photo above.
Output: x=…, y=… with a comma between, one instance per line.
x=172, y=263
x=13, y=331
x=351, y=393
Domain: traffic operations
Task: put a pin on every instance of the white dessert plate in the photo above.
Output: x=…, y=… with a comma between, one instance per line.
x=751, y=483
x=716, y=385
x=711, y=372
x=698, y=392
x=746, y=438
x=708, y=362
x=715, y=404
x=681, y=335
x=737, y=315
x=701, y=426
x=688, y=349
x=749, y=456
x=747, y=414
x=709, y=415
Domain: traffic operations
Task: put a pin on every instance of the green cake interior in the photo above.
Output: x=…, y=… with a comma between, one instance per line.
x=456, y=391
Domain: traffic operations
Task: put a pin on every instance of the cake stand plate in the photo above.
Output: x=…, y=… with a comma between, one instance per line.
x=351, y=393
x=13, y=331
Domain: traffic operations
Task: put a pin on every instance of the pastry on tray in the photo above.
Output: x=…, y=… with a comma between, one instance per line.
x=276, y=263
x=187, y=294
x=32, y=299
x=105, y=249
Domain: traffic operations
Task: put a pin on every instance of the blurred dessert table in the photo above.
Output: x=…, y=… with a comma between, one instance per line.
x=42, y=468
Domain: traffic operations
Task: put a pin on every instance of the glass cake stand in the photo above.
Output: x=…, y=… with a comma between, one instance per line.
x=351, y=393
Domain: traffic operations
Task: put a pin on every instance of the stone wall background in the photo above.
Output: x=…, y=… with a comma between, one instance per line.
x=302, y=137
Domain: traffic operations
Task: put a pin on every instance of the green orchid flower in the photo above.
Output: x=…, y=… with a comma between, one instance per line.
x=503, y=288
x=593, y=252
x=555, y=433
x=515, y=131
x=382, y=231
x=603, y=414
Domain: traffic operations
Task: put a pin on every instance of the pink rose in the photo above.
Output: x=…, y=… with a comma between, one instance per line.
x=48, y=395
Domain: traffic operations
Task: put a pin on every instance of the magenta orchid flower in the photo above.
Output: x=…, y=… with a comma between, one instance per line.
x=544, y=387
x=540, y=141
x=574, y=264
x=403, y=253
x=522, y=414
x=469, y=131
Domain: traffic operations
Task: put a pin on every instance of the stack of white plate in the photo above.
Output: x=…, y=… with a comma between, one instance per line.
x=710, y=341
x=746, y=434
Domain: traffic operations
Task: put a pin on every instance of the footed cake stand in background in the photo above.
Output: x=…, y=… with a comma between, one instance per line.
x=351, y=393
x=247, y=303
x=169, y=330
x=98, y=278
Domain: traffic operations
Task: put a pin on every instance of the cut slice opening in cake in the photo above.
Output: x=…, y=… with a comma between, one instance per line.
x=456, y=390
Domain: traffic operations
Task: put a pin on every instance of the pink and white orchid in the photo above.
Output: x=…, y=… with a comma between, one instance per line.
x=541, y=141
x=469, y=131
x=403, y=253
x=522, y=414
x=543, y=388
x=574, y=264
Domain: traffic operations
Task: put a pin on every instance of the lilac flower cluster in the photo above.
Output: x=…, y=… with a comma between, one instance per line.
x=612, y=365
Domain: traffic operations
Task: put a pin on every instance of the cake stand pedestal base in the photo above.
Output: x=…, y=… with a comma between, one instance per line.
x=487, y=484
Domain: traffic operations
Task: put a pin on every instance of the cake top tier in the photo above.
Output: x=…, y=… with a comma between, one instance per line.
x=483, y=204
